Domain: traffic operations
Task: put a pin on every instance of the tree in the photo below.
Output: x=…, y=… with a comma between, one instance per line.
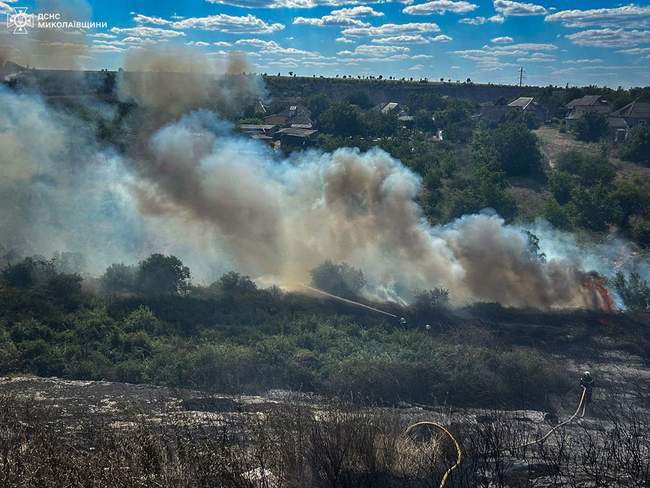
x=637, y=145
x=360, y=99
x=378, y=124
x=317, y=104
x=593, y=208
x=591, y=127
x=341, y=119
x=27, y=273
x=162, y=275
x=118, y=279
x=233, y=283
x=424, y=121
x=516, y=149
x=561, y=184
x=590, y=169
x=430, y=300
x=338, y=279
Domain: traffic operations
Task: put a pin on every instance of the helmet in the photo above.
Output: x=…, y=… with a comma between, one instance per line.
x=427, y=327
x=586, y=373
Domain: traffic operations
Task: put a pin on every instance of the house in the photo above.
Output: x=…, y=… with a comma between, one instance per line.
x=530, y=106
x=634, y=113
x=390, y=107
x=589, y=104
x=294, y=115
x=260, y=132
x=293, y=138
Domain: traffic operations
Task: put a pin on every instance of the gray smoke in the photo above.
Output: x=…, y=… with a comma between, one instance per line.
x=218, y=200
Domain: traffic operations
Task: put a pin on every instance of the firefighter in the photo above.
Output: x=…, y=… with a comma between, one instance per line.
x=587, y=382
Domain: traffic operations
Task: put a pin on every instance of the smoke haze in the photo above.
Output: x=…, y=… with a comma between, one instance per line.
x=189, y=185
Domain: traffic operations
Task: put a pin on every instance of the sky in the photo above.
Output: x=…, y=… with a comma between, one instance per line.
x=555, y=41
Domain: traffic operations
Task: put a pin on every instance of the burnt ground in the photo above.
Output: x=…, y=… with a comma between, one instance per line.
x=82, y=430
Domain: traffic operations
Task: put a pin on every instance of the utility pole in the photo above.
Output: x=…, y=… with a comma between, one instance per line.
x=521, y=76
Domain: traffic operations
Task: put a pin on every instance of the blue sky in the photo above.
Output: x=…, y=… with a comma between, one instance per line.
x=556, y=41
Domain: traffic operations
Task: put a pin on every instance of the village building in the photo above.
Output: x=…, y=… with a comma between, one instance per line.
x=530, y=106
x=589, y=104
x=297, y=116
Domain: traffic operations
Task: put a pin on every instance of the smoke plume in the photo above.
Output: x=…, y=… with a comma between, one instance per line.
x=189, y=185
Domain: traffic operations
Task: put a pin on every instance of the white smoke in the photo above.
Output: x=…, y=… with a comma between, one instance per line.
x=220, y=201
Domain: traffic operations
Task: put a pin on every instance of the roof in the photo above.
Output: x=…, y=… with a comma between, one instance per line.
x=521, y=102
x=389, y=107
x=247, y=127
x=293, y=132
x=634, y=110
x=587, y=101
x=406, y=118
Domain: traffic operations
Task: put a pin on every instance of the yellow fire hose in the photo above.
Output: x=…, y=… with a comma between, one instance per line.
x=459, y=454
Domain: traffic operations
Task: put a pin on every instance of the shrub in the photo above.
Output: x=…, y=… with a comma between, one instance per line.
x=339, y=279
x=591, y=127
x=637, y=145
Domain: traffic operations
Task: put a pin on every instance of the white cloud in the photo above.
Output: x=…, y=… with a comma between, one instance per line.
x=636, y=50
x=502, y=40
x=145, y=19
x=508, y=8
x=101, y=35
x=406, y=38
x=342, y=17
x=630, y=16
x=440, y=7
x=392, y=29
x=222, y=44
x=417, y=67
x=5, y=8
x=524, y=46
x=373, y=50
x=537, y=58
x=300, y=4
x=491, y=58
x=615, y=38
x=142, y=31
x=326, y=20
x=104, y=48
x=495, y=19
x=231, y=24
x=272, y=47
x=585, y=61
x=441, y=38
x=360, y=11
x=197, y=43
x=344, y=40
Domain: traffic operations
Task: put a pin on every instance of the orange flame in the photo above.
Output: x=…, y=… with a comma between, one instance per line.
x=596, y=283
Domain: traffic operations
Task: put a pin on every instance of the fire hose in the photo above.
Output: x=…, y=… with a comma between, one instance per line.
x=459, y=454
x=346, y=300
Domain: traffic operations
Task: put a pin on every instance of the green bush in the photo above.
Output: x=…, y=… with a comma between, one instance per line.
x=637, y=145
